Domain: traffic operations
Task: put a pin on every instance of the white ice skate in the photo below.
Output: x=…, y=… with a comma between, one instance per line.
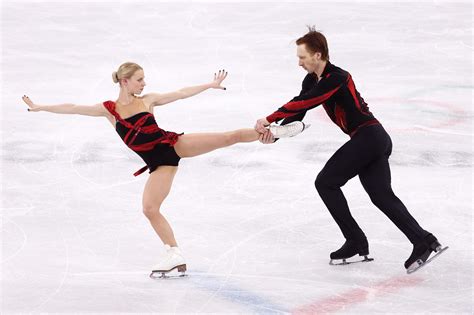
x=289, y=130
x=172, y=260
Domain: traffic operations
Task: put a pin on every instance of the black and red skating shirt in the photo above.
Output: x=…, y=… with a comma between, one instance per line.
x=337, y=93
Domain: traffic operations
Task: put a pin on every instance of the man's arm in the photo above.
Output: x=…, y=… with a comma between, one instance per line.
x=297, y=117
x=309, y=100
x=308, y=82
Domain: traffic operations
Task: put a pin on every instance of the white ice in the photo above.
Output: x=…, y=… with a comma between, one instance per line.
x=255, y=233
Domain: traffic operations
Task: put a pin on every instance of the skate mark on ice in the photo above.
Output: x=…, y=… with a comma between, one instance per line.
x=23, y=242
x=345, y=300
x=62, y=281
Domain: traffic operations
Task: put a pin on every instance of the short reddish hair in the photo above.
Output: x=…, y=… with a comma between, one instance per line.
x=315, y=42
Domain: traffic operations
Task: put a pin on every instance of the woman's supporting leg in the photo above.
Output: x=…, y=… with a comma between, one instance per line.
x=194, y=144
x=156, y=190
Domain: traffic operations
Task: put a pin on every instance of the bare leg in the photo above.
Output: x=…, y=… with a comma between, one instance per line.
x=156, y=190
x=194, y=144
x=159, y=183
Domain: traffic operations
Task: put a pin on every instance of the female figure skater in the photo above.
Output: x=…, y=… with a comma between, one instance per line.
x=132, y=117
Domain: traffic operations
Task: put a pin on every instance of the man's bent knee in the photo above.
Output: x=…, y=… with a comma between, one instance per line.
x=321, y=182
x=326, y=181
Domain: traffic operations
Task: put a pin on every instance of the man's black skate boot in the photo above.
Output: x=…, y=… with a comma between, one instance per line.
x=421, y=252
x=351, y=248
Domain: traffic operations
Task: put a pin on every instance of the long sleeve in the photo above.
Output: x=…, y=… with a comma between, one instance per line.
x=306, y=85
x=317, y=95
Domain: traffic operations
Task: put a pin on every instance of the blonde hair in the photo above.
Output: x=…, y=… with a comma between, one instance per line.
x=125, y=71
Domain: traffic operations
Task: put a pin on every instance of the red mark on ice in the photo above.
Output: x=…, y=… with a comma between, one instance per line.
x=346, y=299
x=450, y=114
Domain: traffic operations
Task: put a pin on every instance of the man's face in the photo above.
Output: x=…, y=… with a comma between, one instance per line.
x=308, y=61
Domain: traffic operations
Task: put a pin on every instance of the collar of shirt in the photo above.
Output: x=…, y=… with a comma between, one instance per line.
x=326, y=69
x=325, y=72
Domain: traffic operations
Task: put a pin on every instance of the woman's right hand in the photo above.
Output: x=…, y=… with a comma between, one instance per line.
x=31, y=105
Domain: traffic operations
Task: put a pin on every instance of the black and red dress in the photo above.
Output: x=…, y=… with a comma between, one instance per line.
x=142, y=134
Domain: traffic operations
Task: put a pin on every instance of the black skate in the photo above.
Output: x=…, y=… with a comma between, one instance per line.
x=422, y=251
x=348, y=250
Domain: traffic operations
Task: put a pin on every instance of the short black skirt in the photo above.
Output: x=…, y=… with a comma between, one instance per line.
x=162, y=154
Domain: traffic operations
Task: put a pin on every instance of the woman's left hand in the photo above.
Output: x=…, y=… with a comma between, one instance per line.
x=218, y=78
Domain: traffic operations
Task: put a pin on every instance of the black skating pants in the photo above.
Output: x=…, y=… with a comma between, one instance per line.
x=365, y=154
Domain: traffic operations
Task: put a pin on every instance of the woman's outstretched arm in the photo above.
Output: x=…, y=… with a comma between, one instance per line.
x=94, y=110
x=156, y=99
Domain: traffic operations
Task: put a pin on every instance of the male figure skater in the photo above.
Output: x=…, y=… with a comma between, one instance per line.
x=365, y=154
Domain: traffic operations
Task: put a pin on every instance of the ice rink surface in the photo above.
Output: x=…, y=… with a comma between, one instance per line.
x=255, y=234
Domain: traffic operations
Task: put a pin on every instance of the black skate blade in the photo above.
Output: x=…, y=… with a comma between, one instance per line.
x=345, y=262
x=418, y=264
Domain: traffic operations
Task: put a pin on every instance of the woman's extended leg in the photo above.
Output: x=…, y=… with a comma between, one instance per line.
x=194, y=144
x=156, y=190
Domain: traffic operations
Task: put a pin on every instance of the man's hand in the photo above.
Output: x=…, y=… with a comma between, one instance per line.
x=267, y=137
x=261, y=124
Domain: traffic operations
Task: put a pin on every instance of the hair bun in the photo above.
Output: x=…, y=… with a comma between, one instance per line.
x=115, y=77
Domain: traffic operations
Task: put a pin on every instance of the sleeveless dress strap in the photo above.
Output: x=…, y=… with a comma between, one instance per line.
x=110, y=106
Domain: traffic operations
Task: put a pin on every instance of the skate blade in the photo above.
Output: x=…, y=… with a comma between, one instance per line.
x=419, y=264
x=166, y=274
x=335, y=262
x=305, y=126
x=163, y=275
